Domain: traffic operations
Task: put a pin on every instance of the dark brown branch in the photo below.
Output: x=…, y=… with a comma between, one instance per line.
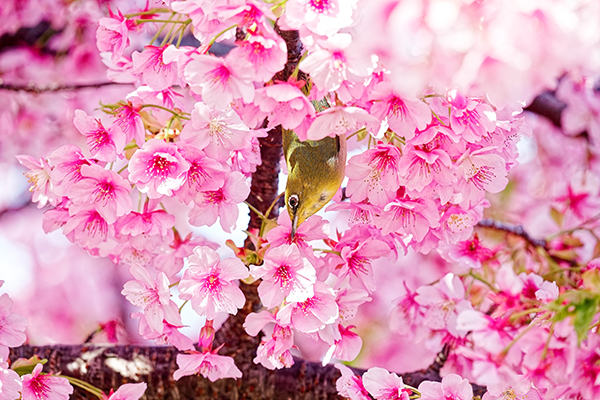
x=547, y=105
x=516, y=230
x=108, y=367
x=27, y=36
x=55, y=87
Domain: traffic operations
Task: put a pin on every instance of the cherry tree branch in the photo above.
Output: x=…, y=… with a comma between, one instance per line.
x=55, y=87
x=108, y=367
x=549, y=106
x=513, y=229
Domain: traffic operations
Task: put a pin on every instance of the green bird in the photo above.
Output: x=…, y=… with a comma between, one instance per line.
x=315, y=173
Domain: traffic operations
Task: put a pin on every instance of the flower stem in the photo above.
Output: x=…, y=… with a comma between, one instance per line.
x=166, y=21
x=149, y=12
x=264, y=221
x=329, y=251
x=517, y=315
x=213, y=40
x=181, y=308
x=157, y=34
x=85, y=386
x=166, y=39
x=251, y=207
x=482, y=280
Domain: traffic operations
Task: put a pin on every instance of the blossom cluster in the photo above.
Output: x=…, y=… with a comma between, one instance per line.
x=434, y=133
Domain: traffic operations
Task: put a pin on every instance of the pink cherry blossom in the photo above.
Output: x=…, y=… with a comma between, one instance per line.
x=113, y=35
x=346, y=344
x=383, y=385
x=408, y=216
x=348, y=301
x=337, y=120
x=489, y=334
x=209, y=283
x=536, y=287
x=12, y=326
x=154, y=70
x=220, y=80
x=211, y=366
x=66, y=161
x=444, y=301
x=105, y=189
x=221, y=203
x=322, y=18
x=329, y=66
x=157, y=168
x=171, y=260
x=204, y=173
x=406, y=318
x=517, y=388
x=120, y=70
x=217, y=132
x=39, y=177
x=482, y=171
x=153, y=295
x=45, y=387
x=169, y=335
x=356, y=255
x=350, y=385
x=248, y=157
x=274, y=349
x=10, y=383
x=373, y=175
x=145, y=230
x=470, y=253
x=284, y=104
x=104, y=144
x=207, y=17
x=267, y=54
x=129, y=120
x=87, y=227
x=583, y=104
x=313, y=313
x=314, y=228
x=404, y=115
x=285, y=275
x=471, y=118
x=271, y=355
x=422, y=169
x=452, y=387
x=129, y=391
x=148, y=223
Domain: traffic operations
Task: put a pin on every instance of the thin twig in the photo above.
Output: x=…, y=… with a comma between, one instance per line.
x=54, y=87
x=513, y=229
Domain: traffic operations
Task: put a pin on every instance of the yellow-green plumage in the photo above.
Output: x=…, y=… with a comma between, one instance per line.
x=315, y=173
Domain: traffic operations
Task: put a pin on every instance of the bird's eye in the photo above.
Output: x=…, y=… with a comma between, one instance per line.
x=293, y=202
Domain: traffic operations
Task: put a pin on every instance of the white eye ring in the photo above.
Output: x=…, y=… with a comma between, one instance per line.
x=293, y=202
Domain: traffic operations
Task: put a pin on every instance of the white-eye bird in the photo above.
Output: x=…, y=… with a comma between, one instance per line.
x=315, y=173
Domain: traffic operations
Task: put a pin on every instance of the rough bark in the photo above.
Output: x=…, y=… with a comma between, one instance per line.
x=109, y=367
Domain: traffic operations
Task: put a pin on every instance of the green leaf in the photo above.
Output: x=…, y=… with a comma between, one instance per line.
x=24, y=366
x=584, y=315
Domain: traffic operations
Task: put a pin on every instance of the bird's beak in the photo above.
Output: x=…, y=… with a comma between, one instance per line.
x=294, y=226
